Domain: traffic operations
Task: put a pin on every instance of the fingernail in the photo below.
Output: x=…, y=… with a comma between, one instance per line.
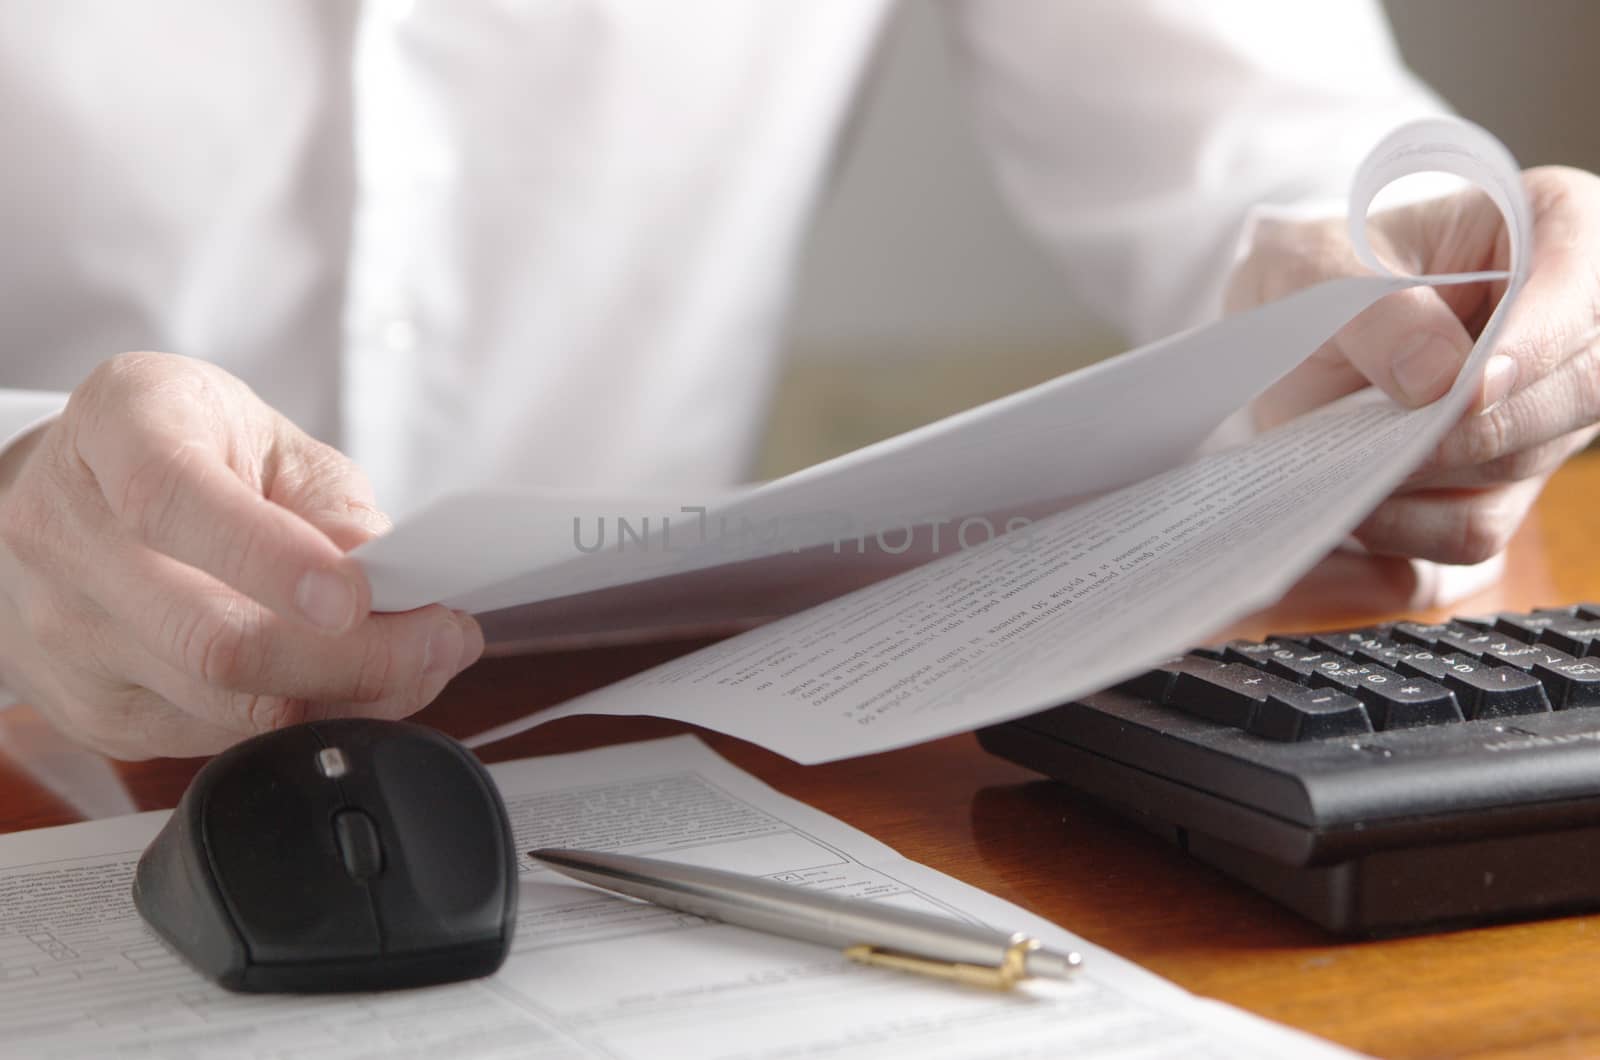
x=1499, y=376
x=1424, y=369
x=327, y=600
x=441, y=657
x=371, y=519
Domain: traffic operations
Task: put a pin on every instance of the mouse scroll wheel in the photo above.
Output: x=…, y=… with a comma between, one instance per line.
x=357, y=836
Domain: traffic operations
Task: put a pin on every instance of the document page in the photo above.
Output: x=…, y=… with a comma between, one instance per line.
x=592, y=975
x=1084, y=434
x=1079, y=600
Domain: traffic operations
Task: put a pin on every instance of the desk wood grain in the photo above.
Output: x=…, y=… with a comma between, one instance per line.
x=1518, y=990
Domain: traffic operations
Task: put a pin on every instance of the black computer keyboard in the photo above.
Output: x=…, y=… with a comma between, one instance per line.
x=1397, y=778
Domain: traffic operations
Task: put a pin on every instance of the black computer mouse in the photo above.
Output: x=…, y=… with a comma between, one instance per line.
x=332, y=856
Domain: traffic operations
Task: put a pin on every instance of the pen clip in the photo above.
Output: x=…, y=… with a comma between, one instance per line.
x=1012, y=969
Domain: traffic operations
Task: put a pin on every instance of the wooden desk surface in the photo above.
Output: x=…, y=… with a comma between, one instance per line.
x=1516, y=990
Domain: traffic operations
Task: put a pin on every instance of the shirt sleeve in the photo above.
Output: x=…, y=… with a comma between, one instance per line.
x=1137, y=137
x=22, y=411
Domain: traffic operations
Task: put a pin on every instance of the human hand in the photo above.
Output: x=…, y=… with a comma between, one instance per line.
x=173, y=575
x=1540, y=395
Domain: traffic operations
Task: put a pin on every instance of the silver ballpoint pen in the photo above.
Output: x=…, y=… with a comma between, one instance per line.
x=869, y=932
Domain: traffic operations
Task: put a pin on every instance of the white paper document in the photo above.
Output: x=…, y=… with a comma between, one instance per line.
x=592, y=975
x=1148, y=551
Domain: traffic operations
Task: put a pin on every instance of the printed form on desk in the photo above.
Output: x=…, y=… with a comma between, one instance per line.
x=591, y=974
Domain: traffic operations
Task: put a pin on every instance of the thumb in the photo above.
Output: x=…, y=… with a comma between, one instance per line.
x=1409, y=344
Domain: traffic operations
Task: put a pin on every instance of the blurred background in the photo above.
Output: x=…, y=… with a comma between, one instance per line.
x=916, y=262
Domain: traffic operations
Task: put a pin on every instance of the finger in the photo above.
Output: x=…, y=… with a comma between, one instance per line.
x=1409, y=344
x=240, y=715
x=152, y=726
x=1323, y=377
x=388, y=666
x=326, y=488
x=174, y=491
x=386, y=678
x=1558, y=309
x=1466, y=526
x=132, y=723
x=1536, y=462
x=1562, y=402
x=220, y=717
x=351, y=523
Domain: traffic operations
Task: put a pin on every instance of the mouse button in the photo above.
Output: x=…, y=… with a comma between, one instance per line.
x=268, y=832
x=449, y=863
x=359, y=844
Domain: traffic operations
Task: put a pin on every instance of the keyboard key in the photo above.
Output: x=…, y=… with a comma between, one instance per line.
x=1343, y=641
x=1420, y=662
x=1574, y=636
x=1337, y=671
x=1465, y=640
x=1567, y=681
x=1493, y=691
x=1507, y=652
x=1383, y=651
x=1398, y=702
x=1394, y=701
x=1285, y=659
x=1421, y=634
x=1228, y=694
x=1154, y=682
x=1527, y=627
x=1494, y=648
x=1370, y=644
x=1296, y=662
x=1310, y=714
x=1250, y=652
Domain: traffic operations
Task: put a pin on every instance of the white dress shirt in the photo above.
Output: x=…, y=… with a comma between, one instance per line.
x=549, y=242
